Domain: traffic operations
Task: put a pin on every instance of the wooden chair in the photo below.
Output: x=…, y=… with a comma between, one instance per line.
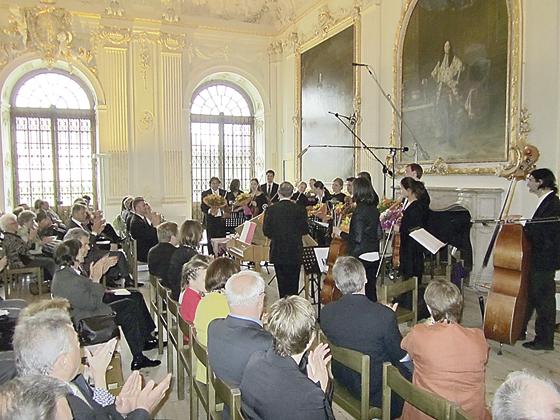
x=230, y=397
x=432, y=405
x=184, y=357
x=393, y=290
x=200, y=392
x=161, y=299
x=153, y=295
x=360, y=363
x=12, y=275
x=129, y=248
x=172, y=329
x=236, y=414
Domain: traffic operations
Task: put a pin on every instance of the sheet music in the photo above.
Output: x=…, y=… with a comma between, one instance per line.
x=322, y=254
x=370, y=256
x=427, y=240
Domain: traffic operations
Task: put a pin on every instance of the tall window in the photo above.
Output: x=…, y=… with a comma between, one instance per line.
x=52, y=139
x=222, y=138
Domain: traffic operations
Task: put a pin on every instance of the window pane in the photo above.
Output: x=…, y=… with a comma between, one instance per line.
x=47, y=90
x=218, y=99
x=205, y=156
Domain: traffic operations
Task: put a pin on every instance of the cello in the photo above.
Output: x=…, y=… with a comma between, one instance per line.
x=506, y=303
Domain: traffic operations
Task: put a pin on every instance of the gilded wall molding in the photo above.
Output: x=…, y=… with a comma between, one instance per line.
x=114, y=9
x=112, y=36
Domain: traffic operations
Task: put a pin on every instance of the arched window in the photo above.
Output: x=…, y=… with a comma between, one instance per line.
x=222, y=138
x=53, y=126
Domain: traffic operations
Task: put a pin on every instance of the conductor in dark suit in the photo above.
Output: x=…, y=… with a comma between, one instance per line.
x=142, y=228
x=285, y=223
x=232, y=341
x=270, y=188
x=213, y=218
x=545, y=259
x=369, y=327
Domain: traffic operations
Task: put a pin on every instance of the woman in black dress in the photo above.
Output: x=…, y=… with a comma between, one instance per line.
x=259, y=202
x=414, y=217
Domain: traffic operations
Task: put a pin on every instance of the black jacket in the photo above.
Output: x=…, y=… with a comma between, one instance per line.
x=369, y=327
x=364, y=227
x=172, y=280
x=159, y=258
x=545, y=237
x=231, y=342
x=285, y=223
x=411, y=252
x=300, y=199
x=145, y=235
x=273, y=196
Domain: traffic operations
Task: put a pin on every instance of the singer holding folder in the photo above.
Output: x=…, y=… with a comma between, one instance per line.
x=414, y=217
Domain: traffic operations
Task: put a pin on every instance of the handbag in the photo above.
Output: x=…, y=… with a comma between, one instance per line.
x=97, y=329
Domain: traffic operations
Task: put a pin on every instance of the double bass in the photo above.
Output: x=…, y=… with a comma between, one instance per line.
x=507, y=300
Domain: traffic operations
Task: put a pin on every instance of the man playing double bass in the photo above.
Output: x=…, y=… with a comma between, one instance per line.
x=545, y=259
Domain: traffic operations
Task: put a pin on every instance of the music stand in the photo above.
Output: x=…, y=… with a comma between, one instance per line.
x=311, y=269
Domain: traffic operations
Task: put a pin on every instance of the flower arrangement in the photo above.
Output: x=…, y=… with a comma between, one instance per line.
x=214, y=200
x=385, y=204
x=243, y=199
x=391, y=216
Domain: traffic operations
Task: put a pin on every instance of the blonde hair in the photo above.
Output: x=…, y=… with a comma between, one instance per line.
x=192, y=267
x=444, y=300
x=166, y=231
x=291, y=322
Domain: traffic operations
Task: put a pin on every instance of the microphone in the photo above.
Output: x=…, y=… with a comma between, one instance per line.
x=353, y=119
x=359, y=65
x=405, y=149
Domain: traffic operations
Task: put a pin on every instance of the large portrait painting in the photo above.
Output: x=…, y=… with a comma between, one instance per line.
x=455, y=69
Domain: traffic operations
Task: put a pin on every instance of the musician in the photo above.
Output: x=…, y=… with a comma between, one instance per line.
x=213, y=218
x=299, y=196
x=545, y=259
x=285, y=223
x=271, y=187
x=349, y=181
x=414, y=217
x=337, y=193
x=236, y=211
x=363, y=241
x=366, y=175
x=415, y=171
x=234, y=191
x=321, y=192
x=260, y=201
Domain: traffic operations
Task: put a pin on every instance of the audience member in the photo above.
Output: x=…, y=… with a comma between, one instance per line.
x=214, y=303
x=357, y=323
x=159, y=256
x=190, y=235
x=273, y=385
x=524, y=396
x=192, y=283
x=46, y=344
x=231, y=341
x=35, y=397
x=88, y=298
x=46, y=227
x=445, y=354
x=141, y=228
x=17, y=250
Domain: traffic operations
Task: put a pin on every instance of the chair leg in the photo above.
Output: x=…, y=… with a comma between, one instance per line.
x=169, y=349
x=180, y=378
x=160, y=334
x=193, y=399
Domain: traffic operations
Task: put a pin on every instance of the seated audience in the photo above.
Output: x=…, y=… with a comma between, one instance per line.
x=231, y=341
x=524, y=396
x=192, y=283
x=159, y=256
x=141, y=228
x=47, y=344
x=445, y=354
x=17, y=250
x=190, y=235
x=357, y=323
x=88, y=298
x=273, y=385
x=46, y=227
x=120, y=222
x=29, y=232
x=92, y=222
x=44, y=205
x=214, y=303
x=35, y=397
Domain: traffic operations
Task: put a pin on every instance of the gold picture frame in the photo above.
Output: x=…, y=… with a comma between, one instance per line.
x=514, y=133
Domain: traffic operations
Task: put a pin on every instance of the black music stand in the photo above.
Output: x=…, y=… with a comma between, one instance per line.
x=311, y=269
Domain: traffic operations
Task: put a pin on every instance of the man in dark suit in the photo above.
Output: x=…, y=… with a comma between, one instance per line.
x=270, y=188
x=545, y=259
x=357, y=323
x=142, y=228
x=159, y=256
x=213, y=217
x=285, y=223
x=233, y=340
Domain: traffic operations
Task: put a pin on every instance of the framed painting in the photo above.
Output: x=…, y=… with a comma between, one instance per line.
x=458, y=83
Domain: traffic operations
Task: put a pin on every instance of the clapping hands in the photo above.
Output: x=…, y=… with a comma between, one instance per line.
x=317, y=363
x=133, y=396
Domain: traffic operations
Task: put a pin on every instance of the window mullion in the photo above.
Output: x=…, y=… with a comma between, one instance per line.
x=56, y=177
x=221, y=150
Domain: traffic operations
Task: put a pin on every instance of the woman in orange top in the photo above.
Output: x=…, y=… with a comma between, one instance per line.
x=449, y=359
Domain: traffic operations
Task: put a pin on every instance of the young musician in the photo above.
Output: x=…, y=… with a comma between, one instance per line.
x=337, y=193
x=259, y=201
x=415, y=171
x=213, y=218
x=299, y=196
x=545, y=259
x=270, y=188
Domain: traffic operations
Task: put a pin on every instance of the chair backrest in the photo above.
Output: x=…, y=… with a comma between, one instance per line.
x=236, y=414
x=172, y=304
x=224, y=394
x=198, y=349
x=430, y=404
x=393, y=290
x=205, y=393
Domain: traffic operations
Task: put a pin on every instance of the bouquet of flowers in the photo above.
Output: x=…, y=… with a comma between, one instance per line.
x=243, y=199
x=385, y=204
x=214, y=200
x=391, y=216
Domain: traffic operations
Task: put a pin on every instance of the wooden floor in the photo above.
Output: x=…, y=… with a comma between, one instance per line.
x=545, y=363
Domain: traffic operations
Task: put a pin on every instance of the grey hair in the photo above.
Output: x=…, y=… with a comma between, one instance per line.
x=285, y=189
x=349, y=275
x=39, y=340
x=76, y=233
x=31, y=397
x=5, y=219
x=237, y=296
x=524, y=396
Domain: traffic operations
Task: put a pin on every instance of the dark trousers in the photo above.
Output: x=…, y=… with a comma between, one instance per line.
x=215, y=228
x=371, y=275
x=133, y=317
x=541, y=299
x=46, y=263
x=287, y=276
x=118, y=271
